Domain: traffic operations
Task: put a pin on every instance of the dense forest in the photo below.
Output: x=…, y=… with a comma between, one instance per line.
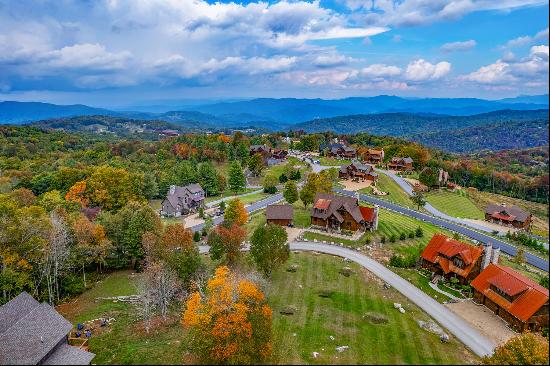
x=498, y=136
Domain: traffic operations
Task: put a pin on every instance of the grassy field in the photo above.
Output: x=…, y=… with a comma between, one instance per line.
x=420, y=281
x=323, y=160
x=302, y=216
x=400, y=341
x=539, y=210
x=253, y=197
x=278, y=169
x=456, y=204
x=320, y=237
x=395, y=193
x=125, y=341
x=228, y=193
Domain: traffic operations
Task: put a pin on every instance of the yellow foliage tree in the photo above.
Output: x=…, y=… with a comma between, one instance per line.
x=235, y=212
x=525, y=349
x=77, y=193
x=231, y=323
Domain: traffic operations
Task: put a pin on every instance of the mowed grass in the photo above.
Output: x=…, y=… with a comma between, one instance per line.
x=296, y=337
x=456, y=204
x=395, y=193
x=228, y=193
x=125, y=341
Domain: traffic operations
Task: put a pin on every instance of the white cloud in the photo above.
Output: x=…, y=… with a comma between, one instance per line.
x=496, y=73
x=90, y=56
x=458, y=46
x=419, y=12
x=331, y=60
x=541, y=36
x=380, y=70
x=422, y=70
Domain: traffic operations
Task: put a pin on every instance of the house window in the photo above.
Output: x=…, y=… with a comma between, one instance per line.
x=457, y=261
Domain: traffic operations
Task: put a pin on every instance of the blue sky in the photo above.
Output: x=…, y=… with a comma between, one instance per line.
x=118, y=53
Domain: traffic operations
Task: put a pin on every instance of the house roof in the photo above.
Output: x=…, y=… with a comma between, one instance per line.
x=29, y=331
x=531, y=295
x=279, y=212
x=259, y=147
x=509, y=213
x=181, y=191
x=194, y=188
x=68, y=355
x=368, y=213
x=397, y=160
x=375, y=152
x=333, y=203
x=441, y=248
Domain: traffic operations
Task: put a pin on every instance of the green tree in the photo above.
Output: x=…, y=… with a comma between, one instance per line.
x=208, y=178
x=51, y=200
x=418, y=199
x=150, y=187
x=419, y=232
x=520, y=256
x=269, y=247
x=237, y=180
x=544, y=281
x=429, y=177
x=270, y=184
x=309, y=189
x=256, y=164
x=290, y=193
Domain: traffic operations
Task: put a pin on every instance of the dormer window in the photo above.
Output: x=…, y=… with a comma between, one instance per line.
x=457, y=261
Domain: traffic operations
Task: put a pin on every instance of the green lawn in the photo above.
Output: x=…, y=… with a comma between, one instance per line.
x=278, y=169
x=321, y=237
x=253, y=197
x=302, y=216
x=228, y=193
x=395, y=193
x=420, y=281
x=323, y=160
x=125, y=341
x=296, y=337
x=456, y=204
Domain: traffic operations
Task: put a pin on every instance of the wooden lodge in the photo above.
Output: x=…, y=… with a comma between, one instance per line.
x=373, y=156
x=358, y=171
x=335, y=213
x=517, y=299
x=511, y=216
x=452, y=258
x=401, y=164
x=282, y=215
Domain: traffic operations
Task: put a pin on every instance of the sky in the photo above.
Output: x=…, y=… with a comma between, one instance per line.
x=120, y=53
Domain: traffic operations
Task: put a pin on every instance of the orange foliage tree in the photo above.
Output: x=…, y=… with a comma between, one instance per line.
x=524, y=349
x=231, y=323
x=77, y=193
x=226, y=242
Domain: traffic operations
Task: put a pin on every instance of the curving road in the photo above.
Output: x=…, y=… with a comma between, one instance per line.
x=478, y=343
x=483, y=238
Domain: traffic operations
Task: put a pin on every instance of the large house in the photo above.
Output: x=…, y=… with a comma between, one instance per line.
x=338, y=150
x=401, y=164
x=374, y=156
x=263, y=150
x=511, y=216
x=520, y=301
x=32, y=333
x=336, y=213
x=182, y=200
x=357, y=170
x=448, y=257
x=282, y=215
x=279, y=154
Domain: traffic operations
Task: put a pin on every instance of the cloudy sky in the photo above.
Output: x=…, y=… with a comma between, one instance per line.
x=118, y=53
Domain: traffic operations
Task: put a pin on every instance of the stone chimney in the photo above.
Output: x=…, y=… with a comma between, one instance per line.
x=375, y=217
x=496, y=254
x=172, y=190
x=487, y=254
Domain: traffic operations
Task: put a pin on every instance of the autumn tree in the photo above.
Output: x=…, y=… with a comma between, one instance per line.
x=178, y=250
x=91, y=240
x=23, y=196
x=231, y=323
x=236, y=212
x=237, y=180
x=51, y=200
x=111, y=188
x=315, y=183
x=226, y=242
x=524, y=349
x=77, y=193
x=256, y=164
x=269, y=247
x=290, y=193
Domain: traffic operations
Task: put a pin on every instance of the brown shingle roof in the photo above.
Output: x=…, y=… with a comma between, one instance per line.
x=336, y=202
x=279, y=212
x=513, y=211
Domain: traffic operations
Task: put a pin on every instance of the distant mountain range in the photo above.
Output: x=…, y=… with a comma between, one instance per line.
x=278, y=113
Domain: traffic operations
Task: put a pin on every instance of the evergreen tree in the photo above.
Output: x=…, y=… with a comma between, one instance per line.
x=290, y=192
x=208, y=178
x=237, y=180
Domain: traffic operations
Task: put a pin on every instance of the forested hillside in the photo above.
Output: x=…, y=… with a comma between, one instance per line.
x=495, y=137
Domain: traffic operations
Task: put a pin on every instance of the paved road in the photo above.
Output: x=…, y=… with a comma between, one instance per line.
x=483, y=238
x=250, y=208
x=478, y=343
x=434, y=211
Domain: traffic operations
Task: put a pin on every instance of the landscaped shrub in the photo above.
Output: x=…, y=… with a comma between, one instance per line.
x=402, y=236
x=283, y=178
x=383, y=239
x=403, y=262
x=419, y=232
x=197, y=236
x=368, y=240
x=393, y=238
x=411, y=235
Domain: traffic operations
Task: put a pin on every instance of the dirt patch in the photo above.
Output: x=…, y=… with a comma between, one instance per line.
x=292, y=233
x=192, y=220
x=350, y=185
x=484, y=320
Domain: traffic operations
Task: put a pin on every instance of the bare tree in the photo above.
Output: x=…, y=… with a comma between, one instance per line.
x=56, y=255
x=146, y=304
x=162, y=284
